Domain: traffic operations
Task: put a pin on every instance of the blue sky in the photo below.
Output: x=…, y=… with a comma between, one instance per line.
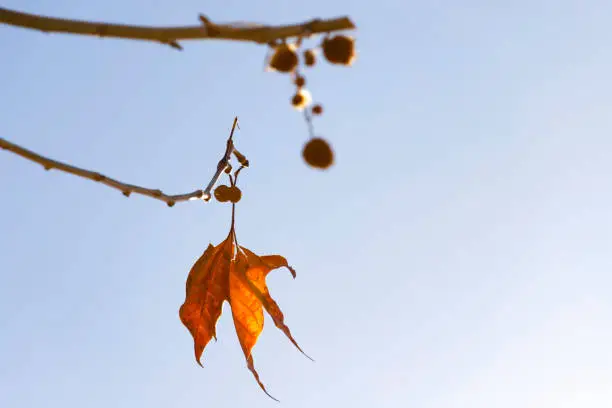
x=457, y=255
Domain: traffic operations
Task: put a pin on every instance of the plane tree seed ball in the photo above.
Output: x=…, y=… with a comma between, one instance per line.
x=297, y=100
x=301, y=99
x=222, y=193
x=309, y=58
x=284, y=59
x=318, y=153
x=317, y=109
x=300, y=81
x=234, y=194
x=339, y=49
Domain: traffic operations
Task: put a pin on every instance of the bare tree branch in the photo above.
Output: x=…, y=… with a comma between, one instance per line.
x=125, y=188
x=262, y=34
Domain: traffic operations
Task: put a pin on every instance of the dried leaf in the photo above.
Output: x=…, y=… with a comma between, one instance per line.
x=259, y=267
x=247, y=312
x=206, y=290
x=232, y=273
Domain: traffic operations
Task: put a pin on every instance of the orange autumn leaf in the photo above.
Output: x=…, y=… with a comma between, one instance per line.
x=232, y=273
x=206, y=291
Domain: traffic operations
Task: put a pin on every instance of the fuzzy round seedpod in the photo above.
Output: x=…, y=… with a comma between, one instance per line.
x=299, y=81
x=222, y=193
x=284, y=59
x=234, y=194
x=310, y=58
x=317, y=109
x=301, y=99
x=318, y=153
x=339, y=49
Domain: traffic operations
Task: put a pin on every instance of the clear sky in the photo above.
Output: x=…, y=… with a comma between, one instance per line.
x=458, y=254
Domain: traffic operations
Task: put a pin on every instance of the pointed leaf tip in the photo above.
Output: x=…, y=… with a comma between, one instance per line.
x=251, y=367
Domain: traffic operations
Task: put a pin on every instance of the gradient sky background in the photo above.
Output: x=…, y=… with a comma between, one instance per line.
x=458, y=255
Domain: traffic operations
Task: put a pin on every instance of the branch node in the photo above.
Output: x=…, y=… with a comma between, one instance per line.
x=175, y=45
x=208, y=27
x=308, y=28
x=99, y=177
x=241, y=158
x=204, y=20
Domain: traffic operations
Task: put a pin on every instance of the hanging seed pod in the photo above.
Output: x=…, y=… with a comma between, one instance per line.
x=310, y=58
x=301, y=99
x=284, y=59
x=317, y=109
x=339, y=49
x=222, y=193
x=318, y=153
x=234, y=194
x=299, y=81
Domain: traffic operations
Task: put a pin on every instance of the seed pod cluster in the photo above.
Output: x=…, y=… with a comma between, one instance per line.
x=337, y=50
x=225, y=193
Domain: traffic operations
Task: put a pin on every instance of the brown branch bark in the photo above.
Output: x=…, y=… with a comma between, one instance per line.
x=125, y=188
x=262, y=34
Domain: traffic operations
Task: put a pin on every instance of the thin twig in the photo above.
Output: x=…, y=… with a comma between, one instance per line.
x=262, y=34
x=236, y=173
x=125, y=188
x=224, y=162
x=308, y=119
